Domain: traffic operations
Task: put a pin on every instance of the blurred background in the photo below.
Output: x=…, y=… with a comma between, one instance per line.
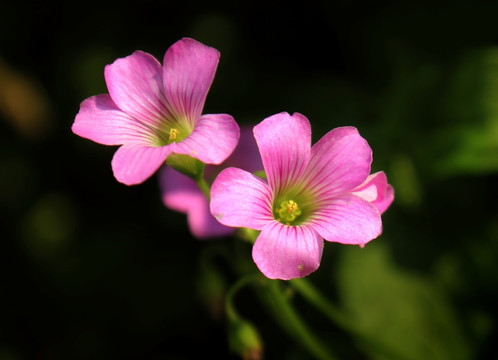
x=93, y=269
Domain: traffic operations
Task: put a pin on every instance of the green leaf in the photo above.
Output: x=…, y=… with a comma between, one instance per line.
x=404, y=314
x=471, y=110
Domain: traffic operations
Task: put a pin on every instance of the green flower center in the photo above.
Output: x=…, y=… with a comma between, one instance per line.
x=171, y=131
x=288, y=212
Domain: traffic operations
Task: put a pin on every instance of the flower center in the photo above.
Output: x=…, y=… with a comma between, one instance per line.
x=170, y=131
x=288, y=212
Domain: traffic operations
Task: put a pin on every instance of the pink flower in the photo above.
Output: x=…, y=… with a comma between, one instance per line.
x=180, y=193
x=312, y=193
x=153, y=111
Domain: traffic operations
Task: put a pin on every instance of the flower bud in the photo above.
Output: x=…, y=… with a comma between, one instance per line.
x=244, y=339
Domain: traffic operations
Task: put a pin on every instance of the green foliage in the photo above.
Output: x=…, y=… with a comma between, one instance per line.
x=471, y=106
x=406, y=314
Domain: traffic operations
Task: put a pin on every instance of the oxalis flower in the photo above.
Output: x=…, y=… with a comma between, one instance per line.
x=154, y=111
x=311, y=194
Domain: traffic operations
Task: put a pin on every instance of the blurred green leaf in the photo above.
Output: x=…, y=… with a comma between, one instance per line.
x=472, y=110
x=405, y=179
x=405, y=314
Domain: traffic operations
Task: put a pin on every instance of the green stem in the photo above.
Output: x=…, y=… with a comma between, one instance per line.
x=203, y=185
x=321, y=303
x=292, y=322
x=229, y=300
x=315, y=297
x=243, y=337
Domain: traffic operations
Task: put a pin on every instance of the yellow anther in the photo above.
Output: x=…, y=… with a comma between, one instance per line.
x=291, y=206
x=173, y=133
x=288, y=212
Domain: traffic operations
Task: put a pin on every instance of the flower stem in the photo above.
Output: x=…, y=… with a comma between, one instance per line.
x=243, y=336
x=229, y=300
x=321, y=303
x=292, y=322
x=316, y=298
x=203, y=185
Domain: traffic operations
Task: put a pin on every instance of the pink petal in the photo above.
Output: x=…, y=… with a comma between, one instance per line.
x=213, y=139
x=287, y=252
x=241, y=199
x=135, y=85
x=188, y=71
x=180, y=193
x=383, y=204
x=133, y=164
x=203, y=225
x=347, y=219
x=284, y=143
x=339, y=162
x=376, y=190
x=100, y=120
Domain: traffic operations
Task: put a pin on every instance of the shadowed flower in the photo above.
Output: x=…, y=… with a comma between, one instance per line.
x=180, y=193
x=153, y=111
x=312, y=193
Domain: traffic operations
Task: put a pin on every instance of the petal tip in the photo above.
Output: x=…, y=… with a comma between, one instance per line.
x=287, y=252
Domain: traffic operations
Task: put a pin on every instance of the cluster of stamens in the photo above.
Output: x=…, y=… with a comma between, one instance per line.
x=288, y=211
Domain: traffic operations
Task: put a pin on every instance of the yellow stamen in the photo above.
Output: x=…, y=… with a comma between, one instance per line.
x=288, y=211
x=173, y=133
x=291, y=206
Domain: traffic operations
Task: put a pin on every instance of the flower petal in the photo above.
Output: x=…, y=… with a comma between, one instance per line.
x=213, y=139
x=376, y=190
x=347, y=219
x=383, y=204
x=133, y=164
x=339, y=162
x=135, y=84
x=100, y=120
x=180, y=193
x=287, y=252
x=188, y=71
x=203, y=225
x=241, y=199
x=284, y=143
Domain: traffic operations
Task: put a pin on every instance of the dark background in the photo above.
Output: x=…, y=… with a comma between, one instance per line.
x=92, y=269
